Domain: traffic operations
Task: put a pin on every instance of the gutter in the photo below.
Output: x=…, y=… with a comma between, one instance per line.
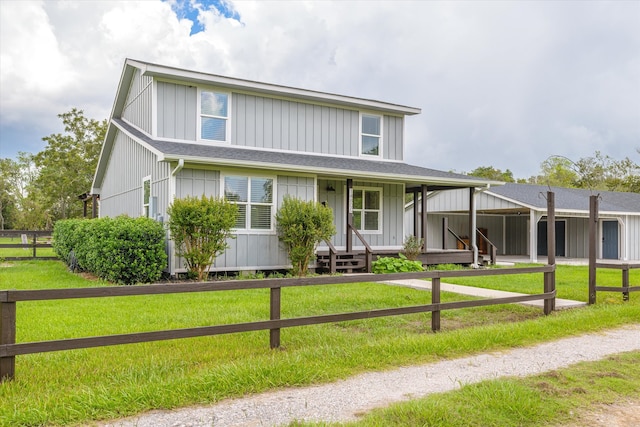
x=178, y=168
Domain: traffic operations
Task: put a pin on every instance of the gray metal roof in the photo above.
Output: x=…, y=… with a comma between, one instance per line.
x=569, y=198
x=323, y=165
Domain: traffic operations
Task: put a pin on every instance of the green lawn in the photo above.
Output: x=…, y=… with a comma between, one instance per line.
x=94, y=384
x=23, y=252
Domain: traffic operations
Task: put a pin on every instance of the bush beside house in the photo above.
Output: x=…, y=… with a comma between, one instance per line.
x=301, y=226
x=200, y=227
x=121, y=250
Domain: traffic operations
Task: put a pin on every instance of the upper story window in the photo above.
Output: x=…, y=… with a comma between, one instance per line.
x=214, y=115
x=370, y=135
x=367, y=209
x=254, y=197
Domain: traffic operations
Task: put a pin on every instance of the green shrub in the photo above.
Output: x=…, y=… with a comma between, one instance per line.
x=301, y=226
x=384, y=265
x=200, y=227
x=121, y=250
x=66, y=236
x=413, y=247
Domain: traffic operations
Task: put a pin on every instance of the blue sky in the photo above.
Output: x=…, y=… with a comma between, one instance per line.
x=503, y=84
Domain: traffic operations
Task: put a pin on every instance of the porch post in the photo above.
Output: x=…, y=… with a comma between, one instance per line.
x=533, y=236
x=349, y=214
x=415, y=213
x=472, y=225
x=424, y=218
x=94, y=206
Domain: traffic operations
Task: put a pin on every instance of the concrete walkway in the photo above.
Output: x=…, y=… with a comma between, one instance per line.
x=483, y=293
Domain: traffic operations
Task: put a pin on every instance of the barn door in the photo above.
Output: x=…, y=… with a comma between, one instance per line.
x=610, y=239
x=560, y=238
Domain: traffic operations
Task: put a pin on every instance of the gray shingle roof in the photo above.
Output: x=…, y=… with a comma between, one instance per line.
x=570, y=198
x=244, y=156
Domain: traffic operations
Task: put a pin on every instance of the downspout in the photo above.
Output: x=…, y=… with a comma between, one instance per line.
x=172, y=196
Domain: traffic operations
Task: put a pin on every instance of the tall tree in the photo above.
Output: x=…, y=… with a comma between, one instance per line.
x=21, y=207
x=605, y=173
x=8, y=170
x=489, y=172
x=67, y=164
x=558, y=171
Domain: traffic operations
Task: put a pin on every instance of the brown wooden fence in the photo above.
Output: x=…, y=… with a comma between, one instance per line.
x=9, y=349
x=594, y=264
x=625, y=288
x=32, y=240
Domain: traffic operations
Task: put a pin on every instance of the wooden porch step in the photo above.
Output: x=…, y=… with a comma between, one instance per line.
x=346, y=262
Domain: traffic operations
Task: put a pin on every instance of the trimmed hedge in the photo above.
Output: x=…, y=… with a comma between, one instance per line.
x=121, y=250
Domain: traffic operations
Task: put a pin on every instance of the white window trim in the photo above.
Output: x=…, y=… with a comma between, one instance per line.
x=148, y=204
x=360, y=135
x=379, y=190
x=199, y=116
x=274, y=206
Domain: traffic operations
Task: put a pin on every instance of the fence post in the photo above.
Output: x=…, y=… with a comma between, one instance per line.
x=274, y=333
x=625, y=281
x=7, y=336
x=593, y=222
x=550, y=278
x=35, y=241
x=435, y=299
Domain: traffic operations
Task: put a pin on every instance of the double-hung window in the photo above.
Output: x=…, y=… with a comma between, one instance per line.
x=214, y=115
x=367, y=209
x=254, y=197
x=370, y=135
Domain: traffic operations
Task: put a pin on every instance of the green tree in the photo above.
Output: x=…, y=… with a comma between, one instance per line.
x=67, y=164
x=8, y=169
x=200, y=228
x=557, y=171
x=491, y=173
x=21, y=205
x=301, y=226
x=602, y=172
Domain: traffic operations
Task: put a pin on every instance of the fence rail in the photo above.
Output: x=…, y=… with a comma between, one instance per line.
x=9, y=349
x=28, y=240
x=625, y=288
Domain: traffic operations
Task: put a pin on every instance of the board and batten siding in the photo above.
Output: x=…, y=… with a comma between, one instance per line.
x=138, y=106
x=392, y=236
x=275, y=124
x=247, y=251
x=177, y=115
x=632, y=237
x=262, y=122
x=121, y=191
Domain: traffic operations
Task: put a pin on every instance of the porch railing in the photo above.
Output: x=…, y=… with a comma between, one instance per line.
x=492, y=249
x=367, y=248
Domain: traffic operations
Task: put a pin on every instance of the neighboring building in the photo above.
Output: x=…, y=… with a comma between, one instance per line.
x=174, y=133
x=513, y=217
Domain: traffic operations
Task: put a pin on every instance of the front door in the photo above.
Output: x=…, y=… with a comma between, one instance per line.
x=610, y=239
x=560, y=238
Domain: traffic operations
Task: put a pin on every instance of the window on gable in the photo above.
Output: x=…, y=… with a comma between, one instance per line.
x=146, y=195
x=367, y=209
x=254, y=197
x=370, y=135
x=214, y=115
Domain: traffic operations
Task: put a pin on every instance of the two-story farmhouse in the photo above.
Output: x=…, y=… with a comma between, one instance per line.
x=174, y=133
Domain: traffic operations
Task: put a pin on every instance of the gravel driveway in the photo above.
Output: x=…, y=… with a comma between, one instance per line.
x=344, y=400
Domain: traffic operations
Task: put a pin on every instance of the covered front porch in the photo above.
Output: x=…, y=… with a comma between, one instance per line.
x=373, y=226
